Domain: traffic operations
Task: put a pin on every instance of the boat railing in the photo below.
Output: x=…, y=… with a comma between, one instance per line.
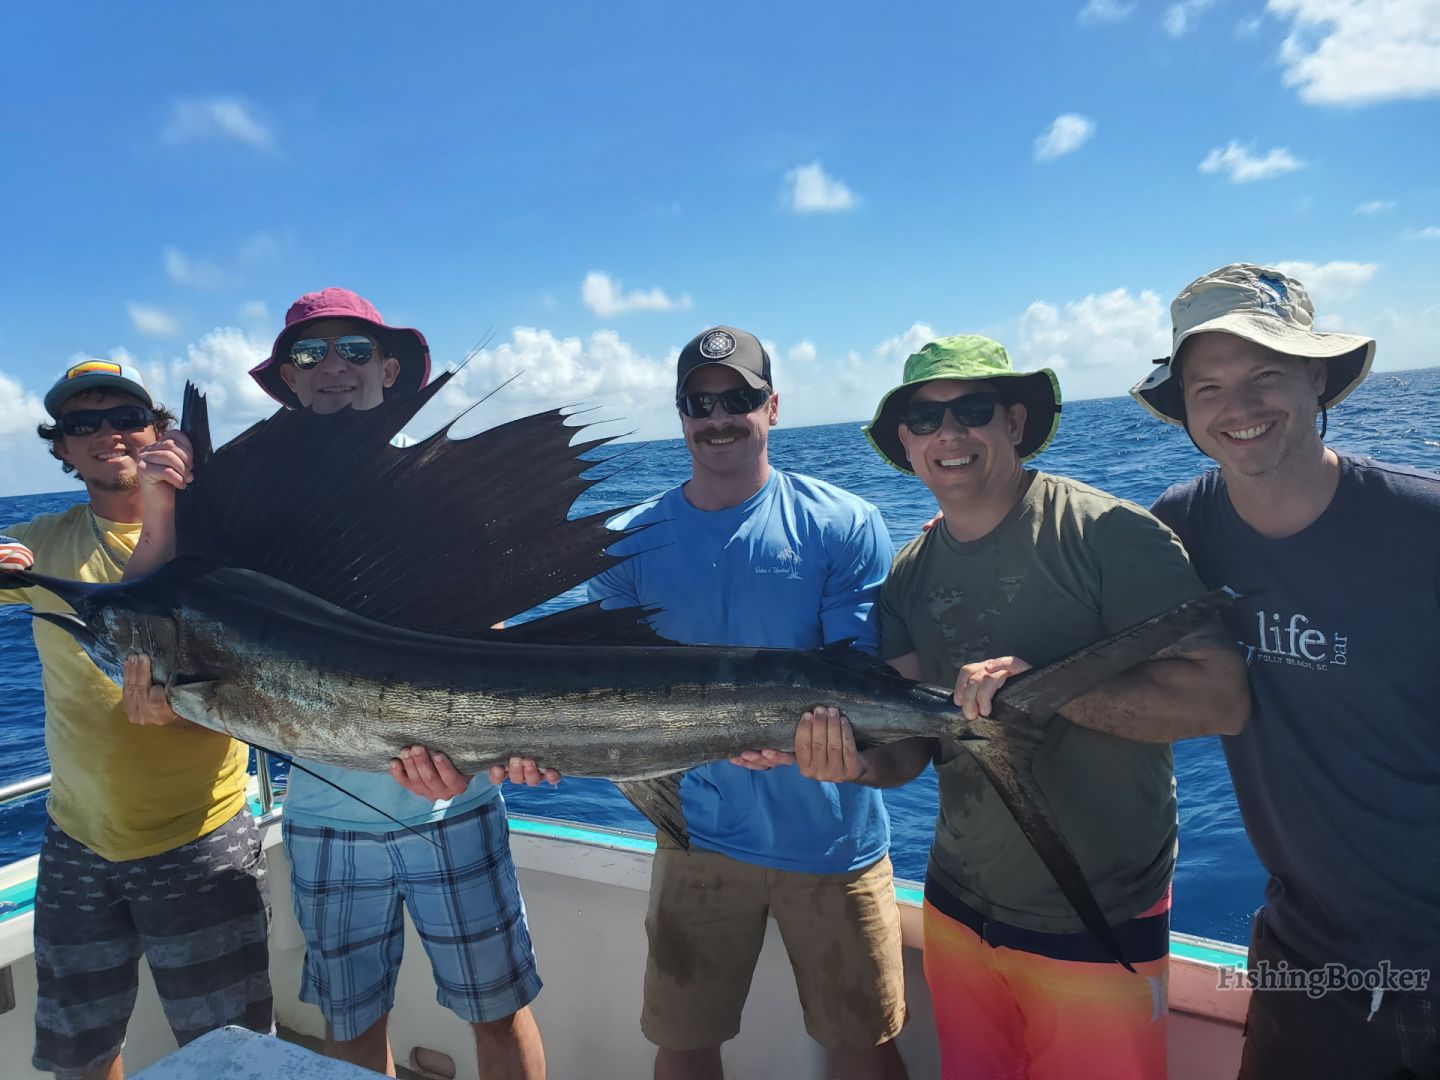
x=22, y=789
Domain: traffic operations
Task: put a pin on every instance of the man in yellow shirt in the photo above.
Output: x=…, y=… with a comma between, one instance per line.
x=149, y=846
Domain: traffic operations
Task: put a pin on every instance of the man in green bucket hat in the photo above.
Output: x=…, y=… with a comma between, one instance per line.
x=1024, y=568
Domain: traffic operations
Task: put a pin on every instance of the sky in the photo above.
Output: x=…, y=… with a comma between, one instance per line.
x=583, y=187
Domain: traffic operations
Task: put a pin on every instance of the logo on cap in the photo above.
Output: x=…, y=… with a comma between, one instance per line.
x=93, y=367
x=717, y=345
x=1277, y=295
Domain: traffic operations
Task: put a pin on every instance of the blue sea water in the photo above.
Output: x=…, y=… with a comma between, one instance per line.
x=1110, y=443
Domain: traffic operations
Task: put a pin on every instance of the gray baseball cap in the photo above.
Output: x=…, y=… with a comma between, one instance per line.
x=728, y=347
x=95, y=375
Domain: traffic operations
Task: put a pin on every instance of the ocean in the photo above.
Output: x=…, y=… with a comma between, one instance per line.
x=1110, y=443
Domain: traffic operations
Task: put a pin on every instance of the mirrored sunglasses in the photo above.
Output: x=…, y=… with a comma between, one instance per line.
x=736, y=402
x=972, y=410
x=122, y=418
x=353, y=348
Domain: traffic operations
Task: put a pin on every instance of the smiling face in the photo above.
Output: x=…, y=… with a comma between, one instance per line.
x=722, y=445
x=106, y=459
x=967, y=465
x=1250, y=408
x=335, y=383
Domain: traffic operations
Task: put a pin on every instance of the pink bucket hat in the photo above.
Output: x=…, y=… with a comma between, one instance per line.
x=406, y=345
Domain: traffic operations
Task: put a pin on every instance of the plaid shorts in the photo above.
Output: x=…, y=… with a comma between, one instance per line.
x=458, y=883
x=200, y=913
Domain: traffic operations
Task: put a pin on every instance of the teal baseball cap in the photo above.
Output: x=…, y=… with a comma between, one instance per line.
x=95, y=375
x=969, y=357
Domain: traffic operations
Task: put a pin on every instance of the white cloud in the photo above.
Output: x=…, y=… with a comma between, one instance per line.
x=152, y=321
x=219, y=364
x=216, y=117
x=1098, y=344
x=1097, y=11
x=810, y=191
x=265, y=247
x=1247, y=28
x=1180, y=18
x=606, y=297
x=255, y=311
x=803, y=353
x=1376, y=206
x=1430, y=232
x=196, y=273
x=20, y=411
x=1355, y=52
x=1329, y=283
x=1243, y=167
x=1068, y=133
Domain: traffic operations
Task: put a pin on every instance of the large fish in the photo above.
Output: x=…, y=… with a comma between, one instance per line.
x=343, y=606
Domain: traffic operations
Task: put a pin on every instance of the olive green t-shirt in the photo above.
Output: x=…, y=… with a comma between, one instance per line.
x=1068, y=566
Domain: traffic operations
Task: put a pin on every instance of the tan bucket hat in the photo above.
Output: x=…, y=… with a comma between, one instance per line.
x=1259, y=304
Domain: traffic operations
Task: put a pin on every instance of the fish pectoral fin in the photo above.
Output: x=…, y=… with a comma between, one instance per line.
x=1005, y=761
x=659, y=800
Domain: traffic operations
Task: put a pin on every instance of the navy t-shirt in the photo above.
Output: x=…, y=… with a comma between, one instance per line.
x=1338, y=772
x=795, y=566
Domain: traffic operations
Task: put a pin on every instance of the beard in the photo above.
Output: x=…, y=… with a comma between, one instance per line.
x=124, y=483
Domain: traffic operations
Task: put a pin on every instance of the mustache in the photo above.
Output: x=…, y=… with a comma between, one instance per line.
x=729, y=431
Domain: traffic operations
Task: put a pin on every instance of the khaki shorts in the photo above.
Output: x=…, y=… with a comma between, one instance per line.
x=707, y=923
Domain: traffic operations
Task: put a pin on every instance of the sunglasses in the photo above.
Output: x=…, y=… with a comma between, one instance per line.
x=736, y=402
x=353, y=348
x=120, y=418
x=973, y=411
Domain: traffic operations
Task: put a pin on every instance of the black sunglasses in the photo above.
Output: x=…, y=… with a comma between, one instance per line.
x=736, y=402
x=353, y=348
x=119, y=417
x=972, y=410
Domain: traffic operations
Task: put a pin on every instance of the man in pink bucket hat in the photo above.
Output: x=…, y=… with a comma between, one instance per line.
x=362, y=848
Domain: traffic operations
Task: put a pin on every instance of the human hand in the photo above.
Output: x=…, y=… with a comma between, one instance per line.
x=825, y=746
x=145, y=703
x=428, y=773
x=762, y=760
x=978, y=683
x=166, y=465
x=523, y=771
x=939, y=517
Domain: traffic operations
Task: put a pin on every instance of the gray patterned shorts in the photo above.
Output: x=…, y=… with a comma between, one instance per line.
x=200, y=914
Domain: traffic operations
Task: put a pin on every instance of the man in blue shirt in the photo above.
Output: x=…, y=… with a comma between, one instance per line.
x=1337, y=560
x=744, y=554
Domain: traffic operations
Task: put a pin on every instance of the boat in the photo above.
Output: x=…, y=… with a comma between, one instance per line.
x=585, y=890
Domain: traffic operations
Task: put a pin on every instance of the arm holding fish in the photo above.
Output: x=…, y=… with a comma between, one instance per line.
x=1196, y=686
x=825, y=746
x=165, y=468
x=147, y=704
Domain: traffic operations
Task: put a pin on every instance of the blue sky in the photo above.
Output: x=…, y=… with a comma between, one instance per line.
x=589, y=185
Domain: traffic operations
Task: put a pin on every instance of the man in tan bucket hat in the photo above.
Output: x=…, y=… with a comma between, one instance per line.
x=1337, y=775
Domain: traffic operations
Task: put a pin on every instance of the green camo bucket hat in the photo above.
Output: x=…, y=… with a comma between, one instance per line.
x=970, y=357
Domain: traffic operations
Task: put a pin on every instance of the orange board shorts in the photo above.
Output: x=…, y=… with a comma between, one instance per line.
x=1017, y=1004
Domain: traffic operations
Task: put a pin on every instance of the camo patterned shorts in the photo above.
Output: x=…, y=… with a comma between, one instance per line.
x=199, y=913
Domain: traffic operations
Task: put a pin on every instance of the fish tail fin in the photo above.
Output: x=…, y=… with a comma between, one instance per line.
x=1005, y=759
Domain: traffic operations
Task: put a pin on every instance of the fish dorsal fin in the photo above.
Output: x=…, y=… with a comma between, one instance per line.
x=449, y=535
